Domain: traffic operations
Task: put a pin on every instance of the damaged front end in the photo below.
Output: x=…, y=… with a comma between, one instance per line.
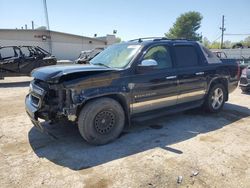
x=51, y=102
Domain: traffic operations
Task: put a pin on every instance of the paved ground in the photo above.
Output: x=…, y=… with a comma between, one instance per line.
x=203, y=150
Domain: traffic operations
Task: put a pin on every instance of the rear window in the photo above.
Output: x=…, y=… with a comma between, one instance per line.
x=186, y=56
x=210, y=56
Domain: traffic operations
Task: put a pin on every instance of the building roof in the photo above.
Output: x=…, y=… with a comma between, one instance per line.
x=102, y=39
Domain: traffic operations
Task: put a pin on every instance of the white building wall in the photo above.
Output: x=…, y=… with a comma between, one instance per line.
x=63, y=46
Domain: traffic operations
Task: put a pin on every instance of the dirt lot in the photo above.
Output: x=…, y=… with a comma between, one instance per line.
x=205, y=150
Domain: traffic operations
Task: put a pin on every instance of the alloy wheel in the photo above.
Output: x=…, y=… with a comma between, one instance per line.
x=217, y=98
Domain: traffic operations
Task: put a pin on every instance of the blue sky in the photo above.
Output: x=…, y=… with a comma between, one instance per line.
x=131, y=18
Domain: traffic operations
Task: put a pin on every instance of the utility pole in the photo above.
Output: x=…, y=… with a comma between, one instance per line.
x=46, y=13
x=47, y=22
x=222, y=28
x=32, y=25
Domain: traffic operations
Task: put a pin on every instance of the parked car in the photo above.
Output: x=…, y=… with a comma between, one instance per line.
x=84, y=57
x=220, y=54
x=139, y=79
x=245, y=79
x=243, y=62
x=87, y=55
x=21, y=60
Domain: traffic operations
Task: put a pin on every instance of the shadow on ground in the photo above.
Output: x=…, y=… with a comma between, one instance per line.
x=15, y=84
x=70, y=150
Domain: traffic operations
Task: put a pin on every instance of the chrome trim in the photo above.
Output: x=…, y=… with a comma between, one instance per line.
x=244, y=85
x=190, y=96
x=171, y=77
x=199, y=73
x=36, y=89
x=148, y=63
x=144, y=106
x=31, y=101
x=37, y=92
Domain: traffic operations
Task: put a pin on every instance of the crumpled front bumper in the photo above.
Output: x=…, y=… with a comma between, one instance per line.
x=32, y=113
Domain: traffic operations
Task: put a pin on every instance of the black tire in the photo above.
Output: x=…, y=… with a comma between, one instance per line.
x=213, y=102
x=101, y=121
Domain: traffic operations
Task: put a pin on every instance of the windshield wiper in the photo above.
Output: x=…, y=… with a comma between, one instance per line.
x=101, y=64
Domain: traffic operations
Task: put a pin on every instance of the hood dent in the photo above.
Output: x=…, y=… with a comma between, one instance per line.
x=53, y=74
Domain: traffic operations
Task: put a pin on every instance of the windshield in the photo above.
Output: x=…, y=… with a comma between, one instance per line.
x=116, y=56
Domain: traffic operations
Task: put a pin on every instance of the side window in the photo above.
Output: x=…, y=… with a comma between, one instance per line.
x=25, y=51
x=160, y=54
x=7, y=53
x=210, y=56
x=186, y=56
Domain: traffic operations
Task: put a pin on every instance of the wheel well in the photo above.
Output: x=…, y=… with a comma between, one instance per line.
x=117, y=97
x=222, y=81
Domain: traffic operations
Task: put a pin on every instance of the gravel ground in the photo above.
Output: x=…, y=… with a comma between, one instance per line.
x=193, y=148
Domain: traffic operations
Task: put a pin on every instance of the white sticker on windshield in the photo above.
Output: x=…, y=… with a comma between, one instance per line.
x=134, y=46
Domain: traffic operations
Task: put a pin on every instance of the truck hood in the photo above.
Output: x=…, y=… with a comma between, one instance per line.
x=55, y=72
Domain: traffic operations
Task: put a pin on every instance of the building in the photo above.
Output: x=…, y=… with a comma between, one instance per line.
x=62, y=45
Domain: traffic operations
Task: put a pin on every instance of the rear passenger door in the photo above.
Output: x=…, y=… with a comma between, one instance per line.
x=191, y=78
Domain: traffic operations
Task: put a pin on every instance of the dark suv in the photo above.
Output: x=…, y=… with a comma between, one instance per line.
x=135, y=79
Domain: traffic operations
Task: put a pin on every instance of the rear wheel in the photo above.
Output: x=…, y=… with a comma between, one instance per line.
x=101, y=121
x=215, y=98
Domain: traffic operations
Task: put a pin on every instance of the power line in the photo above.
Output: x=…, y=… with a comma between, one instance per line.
x=236, y=34
x=217, y=38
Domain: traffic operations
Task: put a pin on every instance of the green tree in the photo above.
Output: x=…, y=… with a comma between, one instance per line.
x=118, y=40
x=247, y=41
x=186, y=26
x=215, y=45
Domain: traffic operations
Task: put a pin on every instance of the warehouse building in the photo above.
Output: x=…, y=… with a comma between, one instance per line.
x=62, y=45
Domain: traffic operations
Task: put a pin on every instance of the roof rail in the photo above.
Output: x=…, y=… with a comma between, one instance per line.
x=145, y=38
x=158, y=39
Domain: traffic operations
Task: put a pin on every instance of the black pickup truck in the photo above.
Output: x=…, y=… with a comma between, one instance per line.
x=135, y=79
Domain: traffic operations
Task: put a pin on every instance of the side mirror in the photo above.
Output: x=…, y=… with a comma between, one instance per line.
x=148, y=63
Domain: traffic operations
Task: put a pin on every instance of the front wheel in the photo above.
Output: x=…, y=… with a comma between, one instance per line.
x=101, y=121
x=215, y=98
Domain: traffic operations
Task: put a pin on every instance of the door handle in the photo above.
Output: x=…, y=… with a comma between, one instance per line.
x=171, y=77
x=199, y=73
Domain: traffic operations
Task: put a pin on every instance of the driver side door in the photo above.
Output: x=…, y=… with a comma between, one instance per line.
x=154, y=87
